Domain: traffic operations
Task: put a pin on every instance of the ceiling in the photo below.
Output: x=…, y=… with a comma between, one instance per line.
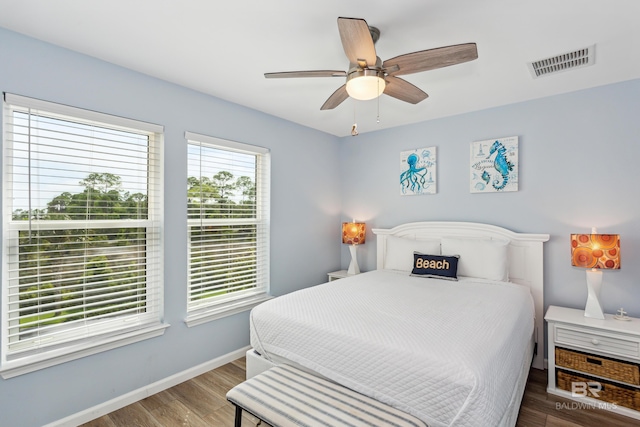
x=223, y=48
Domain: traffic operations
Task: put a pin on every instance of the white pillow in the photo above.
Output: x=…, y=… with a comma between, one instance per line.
x=399, y=253
x=485, y=259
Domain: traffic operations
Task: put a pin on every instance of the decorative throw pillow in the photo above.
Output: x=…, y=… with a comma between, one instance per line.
x=435, y=266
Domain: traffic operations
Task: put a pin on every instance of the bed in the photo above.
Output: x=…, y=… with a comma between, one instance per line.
x=450, y=352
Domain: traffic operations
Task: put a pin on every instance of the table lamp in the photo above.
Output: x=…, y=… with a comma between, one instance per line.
x=353, y=233
x=595, y=252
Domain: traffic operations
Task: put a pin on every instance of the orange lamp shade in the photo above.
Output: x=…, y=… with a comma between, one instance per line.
x=595, y=251
x=353, y=233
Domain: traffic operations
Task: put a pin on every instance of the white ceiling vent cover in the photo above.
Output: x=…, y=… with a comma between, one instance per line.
x=567, y=61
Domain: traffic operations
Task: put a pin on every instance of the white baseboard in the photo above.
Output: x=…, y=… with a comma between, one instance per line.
x=146, y=391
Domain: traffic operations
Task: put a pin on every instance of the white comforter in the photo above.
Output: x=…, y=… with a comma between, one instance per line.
x=447, y=352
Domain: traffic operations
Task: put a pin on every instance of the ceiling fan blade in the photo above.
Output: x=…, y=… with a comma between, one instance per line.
x=315, y=73
x=431, y=59
x=336, y=98
x=403, y=90
x=357, y=41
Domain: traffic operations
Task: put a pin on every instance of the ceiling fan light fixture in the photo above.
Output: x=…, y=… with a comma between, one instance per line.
x=365, y=84
x=368, y=75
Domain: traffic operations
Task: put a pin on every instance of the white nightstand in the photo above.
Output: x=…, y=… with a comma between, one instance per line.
x=335, y=275
x=594, y=362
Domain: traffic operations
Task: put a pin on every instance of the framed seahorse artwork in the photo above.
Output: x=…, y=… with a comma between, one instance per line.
x=418, y=171
x=494, y=165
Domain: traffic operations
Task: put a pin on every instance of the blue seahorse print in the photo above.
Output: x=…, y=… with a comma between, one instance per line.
x=501, y=164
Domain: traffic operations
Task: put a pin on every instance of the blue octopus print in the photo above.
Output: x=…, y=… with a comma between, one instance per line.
x=501, y=164
x=413, y=178
x=418, y=171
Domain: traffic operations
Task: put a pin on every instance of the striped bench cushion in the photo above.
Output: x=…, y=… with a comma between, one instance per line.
x=285, y=396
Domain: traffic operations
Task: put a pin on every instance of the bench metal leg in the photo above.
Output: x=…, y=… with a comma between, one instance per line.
x=238, y=420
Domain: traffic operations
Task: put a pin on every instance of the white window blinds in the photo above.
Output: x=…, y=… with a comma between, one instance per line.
x=82, y=216
x=228, y=221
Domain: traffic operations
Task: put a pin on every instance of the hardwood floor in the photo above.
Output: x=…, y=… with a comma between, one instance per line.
x=201, y=402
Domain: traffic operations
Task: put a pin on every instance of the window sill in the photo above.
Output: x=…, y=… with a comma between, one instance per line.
x=28, y=364
x=229, y=309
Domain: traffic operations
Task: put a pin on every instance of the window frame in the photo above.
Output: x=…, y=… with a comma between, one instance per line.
x=238, y=303
x=108, y=334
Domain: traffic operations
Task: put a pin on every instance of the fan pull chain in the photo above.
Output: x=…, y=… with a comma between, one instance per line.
x=378, y=117
x=354, y=128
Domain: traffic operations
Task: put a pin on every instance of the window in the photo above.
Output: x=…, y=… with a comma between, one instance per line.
x=228, y=226
x=82, y=257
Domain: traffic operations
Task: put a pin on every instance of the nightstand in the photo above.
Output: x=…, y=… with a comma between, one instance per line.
x=594, y=362
x=335, y=275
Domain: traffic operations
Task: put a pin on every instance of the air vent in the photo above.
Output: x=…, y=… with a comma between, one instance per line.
x=567, y=61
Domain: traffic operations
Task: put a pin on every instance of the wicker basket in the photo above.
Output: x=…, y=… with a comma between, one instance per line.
x=601, y=366
x=618, y=394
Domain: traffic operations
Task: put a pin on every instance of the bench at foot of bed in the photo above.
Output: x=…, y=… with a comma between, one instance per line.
x=285, y=396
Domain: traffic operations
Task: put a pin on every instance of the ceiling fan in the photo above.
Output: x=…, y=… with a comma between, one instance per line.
x=369, y=77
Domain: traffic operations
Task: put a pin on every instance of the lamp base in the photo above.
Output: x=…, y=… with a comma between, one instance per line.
x=353, y=266
x=593, y=308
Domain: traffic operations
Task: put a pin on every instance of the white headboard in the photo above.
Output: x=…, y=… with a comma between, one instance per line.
x=525, y=257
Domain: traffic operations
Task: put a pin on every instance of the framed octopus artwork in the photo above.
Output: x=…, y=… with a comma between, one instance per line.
x=418, y=171
x=494, y=165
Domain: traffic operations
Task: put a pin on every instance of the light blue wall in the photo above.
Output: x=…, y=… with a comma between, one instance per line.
x=305, y=214
x=579, y=167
